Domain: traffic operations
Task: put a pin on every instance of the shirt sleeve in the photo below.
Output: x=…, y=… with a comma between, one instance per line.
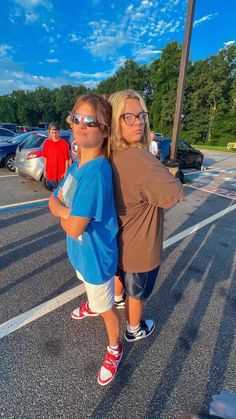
x=89, y=198
x=45, y=148
x=67, y=151
x=160, y=188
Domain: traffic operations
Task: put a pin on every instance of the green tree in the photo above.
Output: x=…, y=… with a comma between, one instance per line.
x=129, y=76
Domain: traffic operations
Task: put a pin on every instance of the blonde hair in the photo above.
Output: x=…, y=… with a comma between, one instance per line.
x=117, y=101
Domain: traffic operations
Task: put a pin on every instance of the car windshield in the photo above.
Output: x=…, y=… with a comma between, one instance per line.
x=18, y=138
x=34, y=142
x=164, y=146
x=184, y=145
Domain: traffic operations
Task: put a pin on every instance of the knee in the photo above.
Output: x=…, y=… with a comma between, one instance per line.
x=112, y=311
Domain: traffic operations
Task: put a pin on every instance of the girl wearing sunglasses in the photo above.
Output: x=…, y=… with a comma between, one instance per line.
x=84, y=203
x=143, y=187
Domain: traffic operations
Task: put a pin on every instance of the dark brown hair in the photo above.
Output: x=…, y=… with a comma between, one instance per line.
x=53, y=125
x=103, y=112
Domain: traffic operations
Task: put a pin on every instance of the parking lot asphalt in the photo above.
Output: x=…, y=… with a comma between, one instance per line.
x=49, y=362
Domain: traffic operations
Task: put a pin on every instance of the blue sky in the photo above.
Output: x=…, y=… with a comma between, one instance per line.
x=54, y=42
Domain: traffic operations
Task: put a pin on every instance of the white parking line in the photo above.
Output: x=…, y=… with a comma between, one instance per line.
x=230, y=196
x=23, y=203
x=39, y=311
x=197, y=226
x=45, y=308
x=8, y=176
x=207, y=169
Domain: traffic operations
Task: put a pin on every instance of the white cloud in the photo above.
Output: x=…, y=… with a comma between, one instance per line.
x=32, y=11
x=130, y=27
x=32, y=4
x=52, y=60
x=13, y=78
x=229, y=43
x=73, y=37
x=90, y=84
x=145, y=4
x=146, y=53
x=99, y=76
x=175, y=26
x=45, y=26
x=4, y=49
x=30, y=17
x=129, y=8
x=104, y=46
x=138, y=15
x=204, y=19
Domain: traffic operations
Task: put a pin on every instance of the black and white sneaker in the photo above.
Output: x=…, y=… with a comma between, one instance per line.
x=145, y=329
x=120, y=303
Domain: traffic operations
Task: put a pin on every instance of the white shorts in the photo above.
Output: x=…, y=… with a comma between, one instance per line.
x=101, y=297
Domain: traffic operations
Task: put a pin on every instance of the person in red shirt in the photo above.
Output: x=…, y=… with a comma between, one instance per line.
x=56, y=155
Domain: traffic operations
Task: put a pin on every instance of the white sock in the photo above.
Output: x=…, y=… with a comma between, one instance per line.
x=114, y=347
x=132, y=329
x=119, y=297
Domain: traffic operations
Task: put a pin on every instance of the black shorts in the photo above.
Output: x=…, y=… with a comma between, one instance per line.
x=52, y=184
x=138, y=285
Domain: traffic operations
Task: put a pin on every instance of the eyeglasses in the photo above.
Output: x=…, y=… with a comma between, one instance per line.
x=130, y=118
x=88, y=120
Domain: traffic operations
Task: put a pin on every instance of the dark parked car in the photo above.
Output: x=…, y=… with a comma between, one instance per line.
x=187, y=156
x=20, y=129
x=8, y=125
x=6, y=134
x=8, y=150
x=43, y=125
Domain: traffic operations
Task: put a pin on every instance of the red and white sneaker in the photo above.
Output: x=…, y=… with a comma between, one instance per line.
x=110, y=365
x=83, y=311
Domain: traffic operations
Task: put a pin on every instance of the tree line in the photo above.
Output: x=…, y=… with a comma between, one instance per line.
x=209, y=109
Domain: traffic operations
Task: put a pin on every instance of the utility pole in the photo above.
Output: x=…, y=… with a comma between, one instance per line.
x=181, y=86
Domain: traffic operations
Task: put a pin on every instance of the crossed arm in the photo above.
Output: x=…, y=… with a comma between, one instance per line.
x=74, y=226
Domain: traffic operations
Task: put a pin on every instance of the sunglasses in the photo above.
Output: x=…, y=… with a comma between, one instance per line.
x=88, y=120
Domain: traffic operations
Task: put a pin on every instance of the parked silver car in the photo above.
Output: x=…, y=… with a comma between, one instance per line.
x=29, y=161
x=6, y=134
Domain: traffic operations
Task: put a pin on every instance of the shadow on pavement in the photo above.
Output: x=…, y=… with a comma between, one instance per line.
x=163, y=303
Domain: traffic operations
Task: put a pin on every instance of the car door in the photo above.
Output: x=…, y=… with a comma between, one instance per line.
x=5, y=134
x=185, y=154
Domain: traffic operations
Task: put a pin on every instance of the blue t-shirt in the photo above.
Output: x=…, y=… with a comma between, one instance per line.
x=88, y=192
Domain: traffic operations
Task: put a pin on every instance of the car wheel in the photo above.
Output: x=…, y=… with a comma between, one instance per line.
x=181, y=176
x=10, y=162
x=198, y=165
x=44, y=183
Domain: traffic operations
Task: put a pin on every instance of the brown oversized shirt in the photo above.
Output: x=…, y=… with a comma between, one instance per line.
x=143, y=186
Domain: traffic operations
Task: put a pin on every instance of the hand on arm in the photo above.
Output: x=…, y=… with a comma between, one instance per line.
x=60, y=197
x=57, y=208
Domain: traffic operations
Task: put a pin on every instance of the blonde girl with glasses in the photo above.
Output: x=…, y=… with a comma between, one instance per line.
x=84, y=203
x=143, y=187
